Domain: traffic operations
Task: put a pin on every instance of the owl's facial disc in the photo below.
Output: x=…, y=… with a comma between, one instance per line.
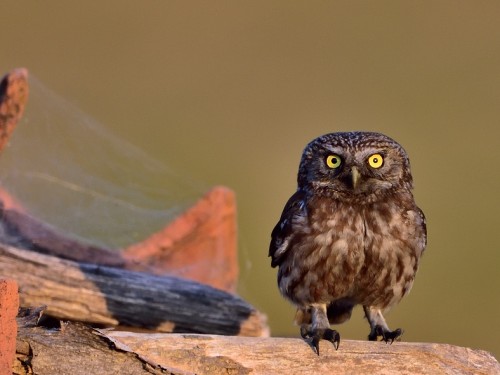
x=361, y=176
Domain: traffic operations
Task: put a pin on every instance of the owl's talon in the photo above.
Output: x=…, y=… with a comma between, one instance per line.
x=315, y=343
x=387, y=336
x=390, y=336
x=332, y=336
x=305, y=333
x=318, y=334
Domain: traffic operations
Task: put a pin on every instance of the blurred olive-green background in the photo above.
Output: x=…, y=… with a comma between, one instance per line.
x=230, y=92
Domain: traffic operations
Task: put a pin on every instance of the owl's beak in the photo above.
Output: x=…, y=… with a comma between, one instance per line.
x=355, y=175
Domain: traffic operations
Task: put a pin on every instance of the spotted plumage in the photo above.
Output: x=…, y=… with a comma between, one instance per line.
x=351, y=234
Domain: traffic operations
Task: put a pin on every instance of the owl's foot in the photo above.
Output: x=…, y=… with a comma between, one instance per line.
x=318, y=334
x=387, y=336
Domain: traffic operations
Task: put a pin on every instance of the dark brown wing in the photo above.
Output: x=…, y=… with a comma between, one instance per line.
x=424, y=228
x=282, y=234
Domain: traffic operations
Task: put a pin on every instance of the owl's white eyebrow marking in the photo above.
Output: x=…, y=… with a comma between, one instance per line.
x=335, y=149
x=370, y=151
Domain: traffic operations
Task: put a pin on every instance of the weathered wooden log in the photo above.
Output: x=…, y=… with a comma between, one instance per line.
x=77, y=349
x=210, y=354
x=110, y=296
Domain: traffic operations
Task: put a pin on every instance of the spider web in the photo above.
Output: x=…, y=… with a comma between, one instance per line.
x=69, y=171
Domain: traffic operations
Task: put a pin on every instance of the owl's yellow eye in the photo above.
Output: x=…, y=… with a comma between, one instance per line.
x=376, y=161
x=333, y=161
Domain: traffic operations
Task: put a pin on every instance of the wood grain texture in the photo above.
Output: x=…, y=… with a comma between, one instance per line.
x=110, y=296
x=78, y=349
x=209, y=354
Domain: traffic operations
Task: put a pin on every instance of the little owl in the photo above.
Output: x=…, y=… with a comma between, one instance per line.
x=351, y=234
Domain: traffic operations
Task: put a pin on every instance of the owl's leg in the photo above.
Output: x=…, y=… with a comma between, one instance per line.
x=319, y=328
x=379, y=326
x=303, y=319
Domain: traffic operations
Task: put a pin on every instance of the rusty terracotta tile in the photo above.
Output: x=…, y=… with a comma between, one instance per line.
x=13, y=98
x=199, y=245
x=9, y=305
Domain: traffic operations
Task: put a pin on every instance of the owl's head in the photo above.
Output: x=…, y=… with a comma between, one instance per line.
x=354, y=165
